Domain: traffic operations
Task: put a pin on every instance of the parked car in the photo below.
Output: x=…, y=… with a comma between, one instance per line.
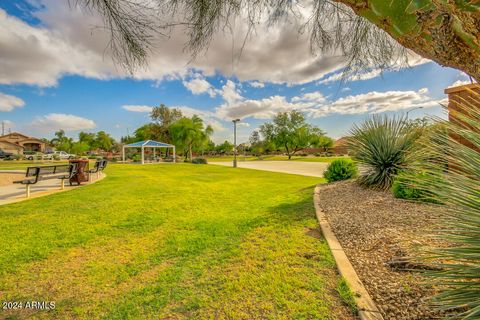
x=5, y=155
x=33, y=155
x=62, y=155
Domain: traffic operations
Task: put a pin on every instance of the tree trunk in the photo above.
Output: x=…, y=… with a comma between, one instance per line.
x=445, y=32
x=190, y=151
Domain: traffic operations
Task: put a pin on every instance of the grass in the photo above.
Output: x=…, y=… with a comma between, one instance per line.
x=274, y=158
x=171, y=242
x=347, y=295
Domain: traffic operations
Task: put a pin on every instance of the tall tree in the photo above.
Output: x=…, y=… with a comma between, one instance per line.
x=162, y=117
x=369, y=33
x=104, y=141
x=188, y=133
x=290, y=132
x=61, y=142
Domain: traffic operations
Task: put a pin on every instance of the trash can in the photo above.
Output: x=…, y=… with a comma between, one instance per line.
x=82, y=171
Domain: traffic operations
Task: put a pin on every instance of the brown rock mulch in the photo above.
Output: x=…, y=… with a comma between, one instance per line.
x=375, y=229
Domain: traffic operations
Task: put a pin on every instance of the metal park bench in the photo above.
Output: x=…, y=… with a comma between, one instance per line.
x=35, y=174
x=99, y=165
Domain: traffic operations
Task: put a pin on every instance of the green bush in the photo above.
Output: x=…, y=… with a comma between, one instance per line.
x=341, y=169
x=136, y=158
x=410, y=186
x=199, y=161
x=383, y=146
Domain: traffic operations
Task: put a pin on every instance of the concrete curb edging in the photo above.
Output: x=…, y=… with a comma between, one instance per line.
x=367, y=308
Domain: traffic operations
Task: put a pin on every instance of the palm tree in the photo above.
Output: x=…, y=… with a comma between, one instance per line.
x=189, y=133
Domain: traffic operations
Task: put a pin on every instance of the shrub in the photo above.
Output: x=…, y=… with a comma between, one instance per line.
x=383, y=147
x=199, y=161
x=408, y=186
x=136, y=157
x=341, y=169
x=317, y=154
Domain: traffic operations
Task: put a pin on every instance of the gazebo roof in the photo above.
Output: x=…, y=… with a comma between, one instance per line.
x=148, y=143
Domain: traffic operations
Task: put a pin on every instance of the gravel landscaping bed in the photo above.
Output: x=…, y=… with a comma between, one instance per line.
x=376, y=229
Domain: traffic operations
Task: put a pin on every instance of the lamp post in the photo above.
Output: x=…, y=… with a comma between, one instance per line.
x=412, y=110
x=235, y=142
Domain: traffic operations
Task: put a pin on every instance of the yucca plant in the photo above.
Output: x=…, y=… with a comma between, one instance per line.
x=451, y=158
x=382, y=146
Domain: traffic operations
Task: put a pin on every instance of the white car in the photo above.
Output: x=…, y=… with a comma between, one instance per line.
x=62, y=155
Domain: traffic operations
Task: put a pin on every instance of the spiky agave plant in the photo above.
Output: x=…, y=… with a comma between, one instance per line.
x=382, y=146
x=451, y=160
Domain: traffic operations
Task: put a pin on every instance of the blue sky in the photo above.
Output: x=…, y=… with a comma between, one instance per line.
x=56, y=73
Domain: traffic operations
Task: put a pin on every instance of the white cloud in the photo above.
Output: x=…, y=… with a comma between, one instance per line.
x=376, y=102
x=314, y=97
x=67, y=42
x=199, y=86
x=230, y=93
x=257, y=84
x=358, y=77
x=137, y=108
x=67, y=122
x=459, y=83
x=315, y=104
x=259, y=109
x=413, y=60
x=208, y=117
x=8, y=102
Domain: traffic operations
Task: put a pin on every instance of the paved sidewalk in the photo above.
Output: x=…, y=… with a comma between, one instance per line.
x=16, y=192
x=313, y=169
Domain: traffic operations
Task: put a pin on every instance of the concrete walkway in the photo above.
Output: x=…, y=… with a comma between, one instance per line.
x=313, y=169
x=16, y=192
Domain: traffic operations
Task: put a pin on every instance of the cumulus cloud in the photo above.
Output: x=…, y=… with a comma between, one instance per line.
x=8, y=102
x=137, y=108
x=376, y=102
x=230, y=93
x=315, y=104
x=67, y=122
x=199, y=86
x=311, y=97
x=209, y=118
x=459, y=83
x=259, y=109
x=413, y=60
x=69, y=42
x=257, y=84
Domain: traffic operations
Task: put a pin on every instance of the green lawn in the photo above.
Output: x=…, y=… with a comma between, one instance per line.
x=274, y=158
x=172, y=241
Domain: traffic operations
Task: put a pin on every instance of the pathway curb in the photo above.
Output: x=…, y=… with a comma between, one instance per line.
x=367, y=308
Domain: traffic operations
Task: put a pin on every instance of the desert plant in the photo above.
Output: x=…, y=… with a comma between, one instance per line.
x=199, y=161
x=341, y=169
x=452, y=161
x=382, y=146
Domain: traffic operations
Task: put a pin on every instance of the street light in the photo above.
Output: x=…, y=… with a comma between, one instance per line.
x=235, y=142
x=412, y=110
